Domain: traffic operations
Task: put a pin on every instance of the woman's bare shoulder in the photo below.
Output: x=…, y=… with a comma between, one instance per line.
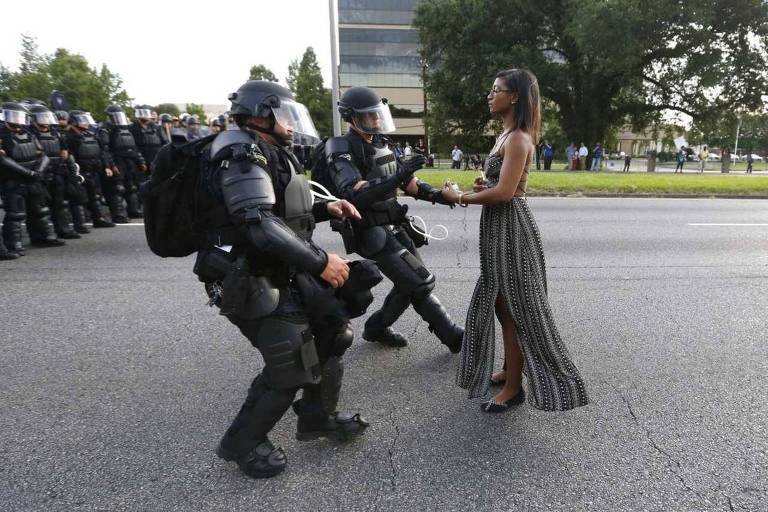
x=518, y=138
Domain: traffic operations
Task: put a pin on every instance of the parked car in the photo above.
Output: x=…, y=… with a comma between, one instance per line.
x=713, y=156
x=756, y=158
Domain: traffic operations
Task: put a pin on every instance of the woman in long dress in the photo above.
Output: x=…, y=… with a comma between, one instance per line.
x=512, y=279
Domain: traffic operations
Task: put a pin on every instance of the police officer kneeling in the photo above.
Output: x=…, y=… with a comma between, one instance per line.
x=262, y=268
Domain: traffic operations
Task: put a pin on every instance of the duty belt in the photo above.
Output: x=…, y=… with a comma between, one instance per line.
x=382, y=214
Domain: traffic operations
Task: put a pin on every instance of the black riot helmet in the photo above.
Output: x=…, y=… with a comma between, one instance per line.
x=32, y=101
x=81, y=120
x=116, y=115
x=42, y=117
x=366, y=111
x=273, y=102
x=62, y=115
x=166, y=118
x=15, y=115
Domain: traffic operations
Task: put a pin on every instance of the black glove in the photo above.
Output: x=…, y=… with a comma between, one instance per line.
x=427, y=192
x=410, y=166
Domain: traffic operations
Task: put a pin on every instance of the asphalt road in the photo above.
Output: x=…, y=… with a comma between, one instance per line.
x=116, y=381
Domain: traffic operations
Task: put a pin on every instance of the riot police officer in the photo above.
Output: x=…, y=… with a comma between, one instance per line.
x=193, y=128
x=61, y=170
x=261, y=220
x=166, y=128
x=92, y=159
x=125, y=160
x=23, y=164
x=365, y=170
x=147, y=136
x=62, y=116
x=216, y=126
x=5, y=254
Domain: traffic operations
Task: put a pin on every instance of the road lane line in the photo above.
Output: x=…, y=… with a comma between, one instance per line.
x=726, y=224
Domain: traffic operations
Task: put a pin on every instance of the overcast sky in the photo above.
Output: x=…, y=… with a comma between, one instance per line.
x=177, y=52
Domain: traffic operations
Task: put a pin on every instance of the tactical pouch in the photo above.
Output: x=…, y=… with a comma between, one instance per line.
x=419, y=240
x=347, y=232
x=236, y=289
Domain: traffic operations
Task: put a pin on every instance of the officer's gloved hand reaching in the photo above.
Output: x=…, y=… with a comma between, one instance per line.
x=410, y=166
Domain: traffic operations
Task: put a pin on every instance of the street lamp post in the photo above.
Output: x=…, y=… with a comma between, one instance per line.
x=334, y=67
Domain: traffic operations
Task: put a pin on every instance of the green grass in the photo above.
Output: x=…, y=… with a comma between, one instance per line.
x=570, y=182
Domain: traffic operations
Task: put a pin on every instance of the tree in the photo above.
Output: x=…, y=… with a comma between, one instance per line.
x=197, y=110
x=261, y=72
x=167, y=108
x=306, y=82
x=84, y=87
x=601, y=63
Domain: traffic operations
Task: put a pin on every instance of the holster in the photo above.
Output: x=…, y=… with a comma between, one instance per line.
x=419, y=240
x=346, y=230
x=243, y=295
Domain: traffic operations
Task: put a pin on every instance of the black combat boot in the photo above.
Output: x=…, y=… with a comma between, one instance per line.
x=317, y=412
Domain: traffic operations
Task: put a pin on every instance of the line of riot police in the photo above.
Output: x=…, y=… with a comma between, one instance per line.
x=60, y=171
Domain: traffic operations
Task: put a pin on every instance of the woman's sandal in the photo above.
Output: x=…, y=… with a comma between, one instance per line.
x=493, y=406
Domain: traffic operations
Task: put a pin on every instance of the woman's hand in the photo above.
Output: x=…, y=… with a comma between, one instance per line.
x=449, y=194
x=480, y=184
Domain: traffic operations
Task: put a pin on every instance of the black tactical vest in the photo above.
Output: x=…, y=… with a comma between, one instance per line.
x=121, y=141
x=297, y=202
x=51, y=143
x=88, y=150
x=21, y=147
x=147, y=138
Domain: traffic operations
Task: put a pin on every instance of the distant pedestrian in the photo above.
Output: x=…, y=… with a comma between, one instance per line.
x=725, y=160
x=597, y=157
x=407, y=151
x=703, y=155
x=750, y=161
x=466, y=162
x=456, y=157
x=583, y=152
x=680, y=157
x=549, y=154
x=627, y=161
x=420, y=149
x=572, y=153
x=538, y=148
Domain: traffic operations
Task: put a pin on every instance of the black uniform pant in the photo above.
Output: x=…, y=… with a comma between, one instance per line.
x=547, y=163
x=26, y=201
x=114, y=190
x=58, y=189
x=412, y=284
x=132, y=180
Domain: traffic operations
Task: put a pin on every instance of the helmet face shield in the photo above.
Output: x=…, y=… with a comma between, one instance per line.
x=295, y=116
x=143, y=113
x=374, y=120
x=119, y=118
x=83, y=120
x=45, y=118
x=16, y=117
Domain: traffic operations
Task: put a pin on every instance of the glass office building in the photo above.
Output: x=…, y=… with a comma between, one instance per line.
x=378, y=48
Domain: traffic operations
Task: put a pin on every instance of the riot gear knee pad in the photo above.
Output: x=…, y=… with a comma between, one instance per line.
x=405, y=271
x=290, y=355
x=342, y=341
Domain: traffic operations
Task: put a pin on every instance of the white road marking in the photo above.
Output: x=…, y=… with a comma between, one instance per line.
x=727, y=224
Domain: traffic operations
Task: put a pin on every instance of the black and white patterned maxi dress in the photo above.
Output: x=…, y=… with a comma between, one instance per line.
x=512, y=264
